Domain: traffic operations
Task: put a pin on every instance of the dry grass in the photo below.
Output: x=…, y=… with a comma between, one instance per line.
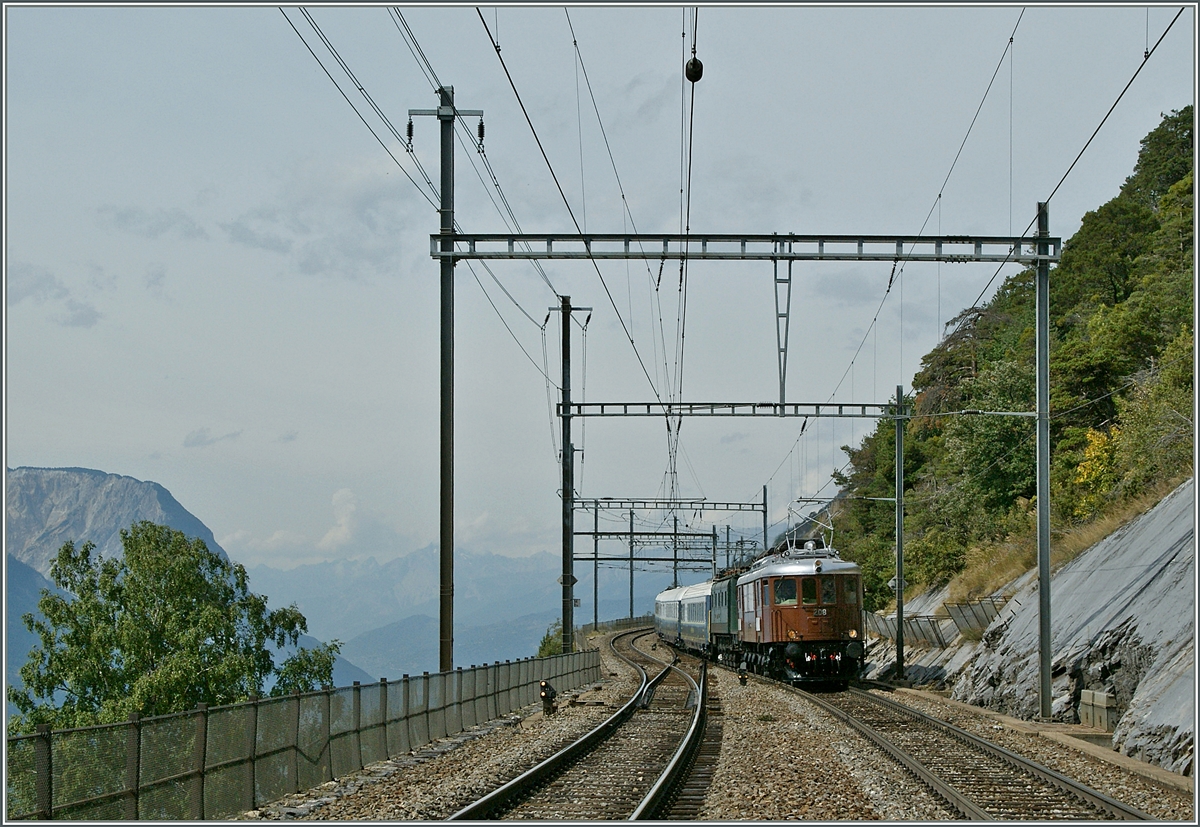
x=989, y=568
x=1070, y=544
x=992, y=567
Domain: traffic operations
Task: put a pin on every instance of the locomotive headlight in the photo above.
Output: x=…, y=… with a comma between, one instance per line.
x=853, y=633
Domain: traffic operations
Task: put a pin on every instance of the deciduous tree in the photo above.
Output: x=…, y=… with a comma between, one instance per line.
x=168, y=625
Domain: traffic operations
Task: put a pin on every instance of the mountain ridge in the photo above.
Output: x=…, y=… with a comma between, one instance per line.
x=48, y=507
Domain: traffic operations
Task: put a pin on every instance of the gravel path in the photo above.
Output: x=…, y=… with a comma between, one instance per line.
x=438, y=780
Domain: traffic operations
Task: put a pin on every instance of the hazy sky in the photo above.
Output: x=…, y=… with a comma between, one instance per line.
x=217, y=279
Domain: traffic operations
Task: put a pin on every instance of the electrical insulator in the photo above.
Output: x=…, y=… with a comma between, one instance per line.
x=410, y=133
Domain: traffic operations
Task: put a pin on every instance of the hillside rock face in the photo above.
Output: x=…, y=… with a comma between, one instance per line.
x=1122, y=621
x=49, y=506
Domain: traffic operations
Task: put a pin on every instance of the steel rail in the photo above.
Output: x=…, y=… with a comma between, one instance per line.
x=968, y=808
x=1067, y=785
x=660, y=793
x=507, y=794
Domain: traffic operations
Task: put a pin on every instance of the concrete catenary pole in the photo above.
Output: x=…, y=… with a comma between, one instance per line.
x=631, y=564
x=1043, y=460
x=596, y=567
x=766, y=547
x=675, y=555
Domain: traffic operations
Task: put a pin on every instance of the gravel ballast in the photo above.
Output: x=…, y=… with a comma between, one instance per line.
x=781, y=758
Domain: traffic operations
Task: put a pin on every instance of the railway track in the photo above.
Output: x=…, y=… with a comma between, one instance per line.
x=980, y=780
x=687, y=800
x=629, y=766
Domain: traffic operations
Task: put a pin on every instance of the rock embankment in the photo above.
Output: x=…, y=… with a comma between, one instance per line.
x=1122, y=622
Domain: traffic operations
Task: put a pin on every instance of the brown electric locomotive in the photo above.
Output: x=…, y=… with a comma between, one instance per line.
x=799, y=615
x=795, y=615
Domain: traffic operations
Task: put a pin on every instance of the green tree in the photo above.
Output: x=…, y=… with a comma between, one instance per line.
x=1165, y=157
x=551, y=641
x=168, y=625
x=1155, y=442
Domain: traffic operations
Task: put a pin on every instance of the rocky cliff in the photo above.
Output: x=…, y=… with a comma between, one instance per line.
x=49, y=506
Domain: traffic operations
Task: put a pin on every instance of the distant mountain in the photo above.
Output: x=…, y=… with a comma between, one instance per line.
x=411, y=646
x=49, y=506
x=346, y=598
x=23, y=588
x=349, y=598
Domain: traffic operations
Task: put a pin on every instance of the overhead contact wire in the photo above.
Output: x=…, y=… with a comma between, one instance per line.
x=567, y=203
x=370, y=129
x=1145, y=59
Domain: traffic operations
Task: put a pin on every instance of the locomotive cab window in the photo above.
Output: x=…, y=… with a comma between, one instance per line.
x=785, y=591
x=808, y=591
x=850, y=591
x=828, y=591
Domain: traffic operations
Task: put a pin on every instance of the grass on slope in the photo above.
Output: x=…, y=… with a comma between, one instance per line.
x=991, y=568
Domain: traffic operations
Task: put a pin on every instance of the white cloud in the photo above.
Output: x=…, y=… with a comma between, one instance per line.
x=79, y=314
x=344, y=506
x=151, y=224
x=28, y=281
x=248, y=230
x=237, y=538
x=202, y=438
x=281, y=539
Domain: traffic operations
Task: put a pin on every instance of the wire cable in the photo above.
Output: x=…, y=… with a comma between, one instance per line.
x=370, y=129
x=571, y=212
x=899, y=263
x=1145, y=59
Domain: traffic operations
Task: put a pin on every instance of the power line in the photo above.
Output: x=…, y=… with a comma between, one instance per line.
x=414, y=48
x=1145, y=60
x=424, y=195
x=571, y=212
x=902, y=260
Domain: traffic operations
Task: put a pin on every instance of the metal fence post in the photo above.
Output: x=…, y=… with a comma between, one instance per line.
x=457, y=718
x=293, y=785
x=43, y=767
x=383, y=716
x=251, y=748
x=199, y=748
x=133, y=763
x=356, y=711
x=493, y=672
x=481, y=690
x=326, y=752
x=425, y=730
x=406, y=728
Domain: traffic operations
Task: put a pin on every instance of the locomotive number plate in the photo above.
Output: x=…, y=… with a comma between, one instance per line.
x=820, y=612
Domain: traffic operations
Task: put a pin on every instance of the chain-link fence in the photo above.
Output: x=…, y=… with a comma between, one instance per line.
x=213, y=763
